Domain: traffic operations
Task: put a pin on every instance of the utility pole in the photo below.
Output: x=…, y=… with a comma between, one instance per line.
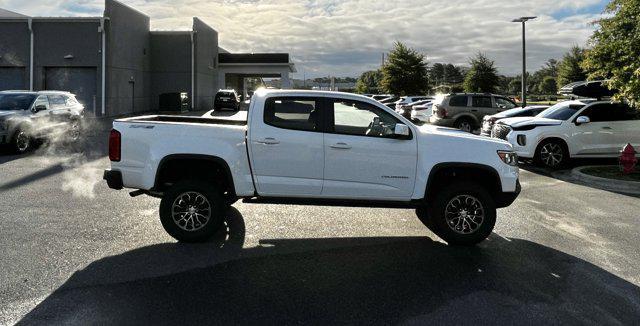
x=523, y=20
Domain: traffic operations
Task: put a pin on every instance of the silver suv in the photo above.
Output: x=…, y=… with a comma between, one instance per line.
x=29, y=115
x=466, y=110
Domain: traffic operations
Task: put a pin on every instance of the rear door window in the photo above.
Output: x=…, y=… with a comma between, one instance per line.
x=56, y=101
x=458, y=100
x=293, y=113
x=481, y=101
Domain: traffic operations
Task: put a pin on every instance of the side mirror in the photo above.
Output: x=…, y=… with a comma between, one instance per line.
x=582, y=120
x=39, y=108
x=401, y=130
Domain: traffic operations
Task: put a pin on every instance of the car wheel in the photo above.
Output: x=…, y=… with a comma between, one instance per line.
x=462, y=214
x=192, y=211
x=74, y=131
x=21, y=141
x=552, y=154
x=464, y=124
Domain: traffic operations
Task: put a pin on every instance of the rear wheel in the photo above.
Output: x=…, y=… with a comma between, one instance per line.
x=552, y=154
x=464, y=124
x=192, y=211
x=462, y=214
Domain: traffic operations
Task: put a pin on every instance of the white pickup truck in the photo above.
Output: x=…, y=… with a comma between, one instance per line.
x=310, y=147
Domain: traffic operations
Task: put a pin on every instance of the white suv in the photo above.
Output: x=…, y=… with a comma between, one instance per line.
x=572, y=129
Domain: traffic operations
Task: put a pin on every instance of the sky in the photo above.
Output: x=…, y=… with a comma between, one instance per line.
x=346, y=37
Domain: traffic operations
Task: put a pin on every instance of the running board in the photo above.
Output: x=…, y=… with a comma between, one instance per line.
x=333, y=202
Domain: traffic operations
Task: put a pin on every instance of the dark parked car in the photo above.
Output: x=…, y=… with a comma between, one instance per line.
x=489, y=120
x=226, y=99
x=26, y=116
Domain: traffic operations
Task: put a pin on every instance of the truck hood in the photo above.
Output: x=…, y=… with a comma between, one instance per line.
x=463, y=136
x=529, y=121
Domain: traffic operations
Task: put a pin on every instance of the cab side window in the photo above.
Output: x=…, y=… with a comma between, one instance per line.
x=293, y=113
x=361, y=119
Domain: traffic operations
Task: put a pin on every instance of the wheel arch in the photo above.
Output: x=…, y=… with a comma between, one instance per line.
x=443, y=173
x=176, y=166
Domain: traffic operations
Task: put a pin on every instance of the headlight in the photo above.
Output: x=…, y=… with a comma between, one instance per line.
x=508, y=157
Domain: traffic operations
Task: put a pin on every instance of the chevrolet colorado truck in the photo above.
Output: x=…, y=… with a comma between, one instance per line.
x=312, y=147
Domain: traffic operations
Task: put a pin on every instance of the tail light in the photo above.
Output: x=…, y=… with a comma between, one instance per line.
x=440, y=111
x=115, y=148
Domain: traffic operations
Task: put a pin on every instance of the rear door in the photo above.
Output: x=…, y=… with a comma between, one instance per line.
x=482, y=105
x=362, y=158
x=286, y=146
x=626, y=126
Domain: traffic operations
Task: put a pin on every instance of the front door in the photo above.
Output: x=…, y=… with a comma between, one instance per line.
x=363, y=160
x=287, y=147
x=598, y=137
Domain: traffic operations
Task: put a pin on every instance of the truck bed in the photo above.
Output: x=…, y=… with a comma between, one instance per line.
x=185, y=119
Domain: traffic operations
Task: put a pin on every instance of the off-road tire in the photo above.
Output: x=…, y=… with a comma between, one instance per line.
x=217, y=205
x=437, y=217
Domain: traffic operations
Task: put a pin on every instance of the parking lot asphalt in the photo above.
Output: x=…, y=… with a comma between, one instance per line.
x=76, y=252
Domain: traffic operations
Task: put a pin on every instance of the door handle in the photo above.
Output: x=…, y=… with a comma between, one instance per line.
x=340, y=146
x=268, y=141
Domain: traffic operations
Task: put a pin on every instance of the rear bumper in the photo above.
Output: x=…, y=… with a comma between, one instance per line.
x=113, y=178
x=504, y=199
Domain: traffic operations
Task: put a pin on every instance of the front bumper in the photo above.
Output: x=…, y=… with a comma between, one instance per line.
x=504, y=199
x=113, y=178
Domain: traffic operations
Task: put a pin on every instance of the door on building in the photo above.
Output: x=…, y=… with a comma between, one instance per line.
x=12, y=78
x=80, y=81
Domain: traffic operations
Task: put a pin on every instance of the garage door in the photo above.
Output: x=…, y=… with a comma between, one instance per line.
x=12, y=78
x=78, y=80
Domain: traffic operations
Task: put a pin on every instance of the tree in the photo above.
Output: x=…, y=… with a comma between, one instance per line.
x=616, y=49
x=482, y=77
x=548, y=86
x=405, y=72
x=570, y=68
x=452, y=74
x=369, y=82
x=436, y=74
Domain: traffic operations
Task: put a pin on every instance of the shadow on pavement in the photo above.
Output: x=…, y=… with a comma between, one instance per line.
x=340, y=280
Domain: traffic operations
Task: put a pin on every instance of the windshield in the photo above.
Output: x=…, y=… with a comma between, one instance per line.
x=561, y=111
x=16, y=101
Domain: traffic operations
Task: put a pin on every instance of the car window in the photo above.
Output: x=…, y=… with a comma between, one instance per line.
x=561, y=111
x=503, y=103
x=361, y=119
x=293, y=113
x=458, y=100
x=481, y=101
x=56, y=101
x=16, y=101
x=42, y=100
x=601, y=112
x=70, y=101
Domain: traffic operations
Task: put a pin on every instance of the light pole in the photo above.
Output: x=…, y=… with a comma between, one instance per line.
x=523, y=20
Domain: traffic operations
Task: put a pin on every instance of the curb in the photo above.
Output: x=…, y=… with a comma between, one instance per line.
x=621, y=186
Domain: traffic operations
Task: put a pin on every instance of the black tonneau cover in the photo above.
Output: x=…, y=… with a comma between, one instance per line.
x=186, y=119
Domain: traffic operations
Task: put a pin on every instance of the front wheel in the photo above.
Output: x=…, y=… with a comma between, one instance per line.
x=462, y=214
x=192, y=211
x=21, y=141
x=552, y=154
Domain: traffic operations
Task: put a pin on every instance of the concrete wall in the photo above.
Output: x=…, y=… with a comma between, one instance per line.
x=14, y=46
x=128, y=59
x=206, y=75
x=170, y=64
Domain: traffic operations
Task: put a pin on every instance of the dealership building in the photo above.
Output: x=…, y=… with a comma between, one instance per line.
x=117, y=65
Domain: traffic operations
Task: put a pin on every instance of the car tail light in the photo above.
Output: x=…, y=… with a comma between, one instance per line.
x=115, y=142
x=441, y=112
